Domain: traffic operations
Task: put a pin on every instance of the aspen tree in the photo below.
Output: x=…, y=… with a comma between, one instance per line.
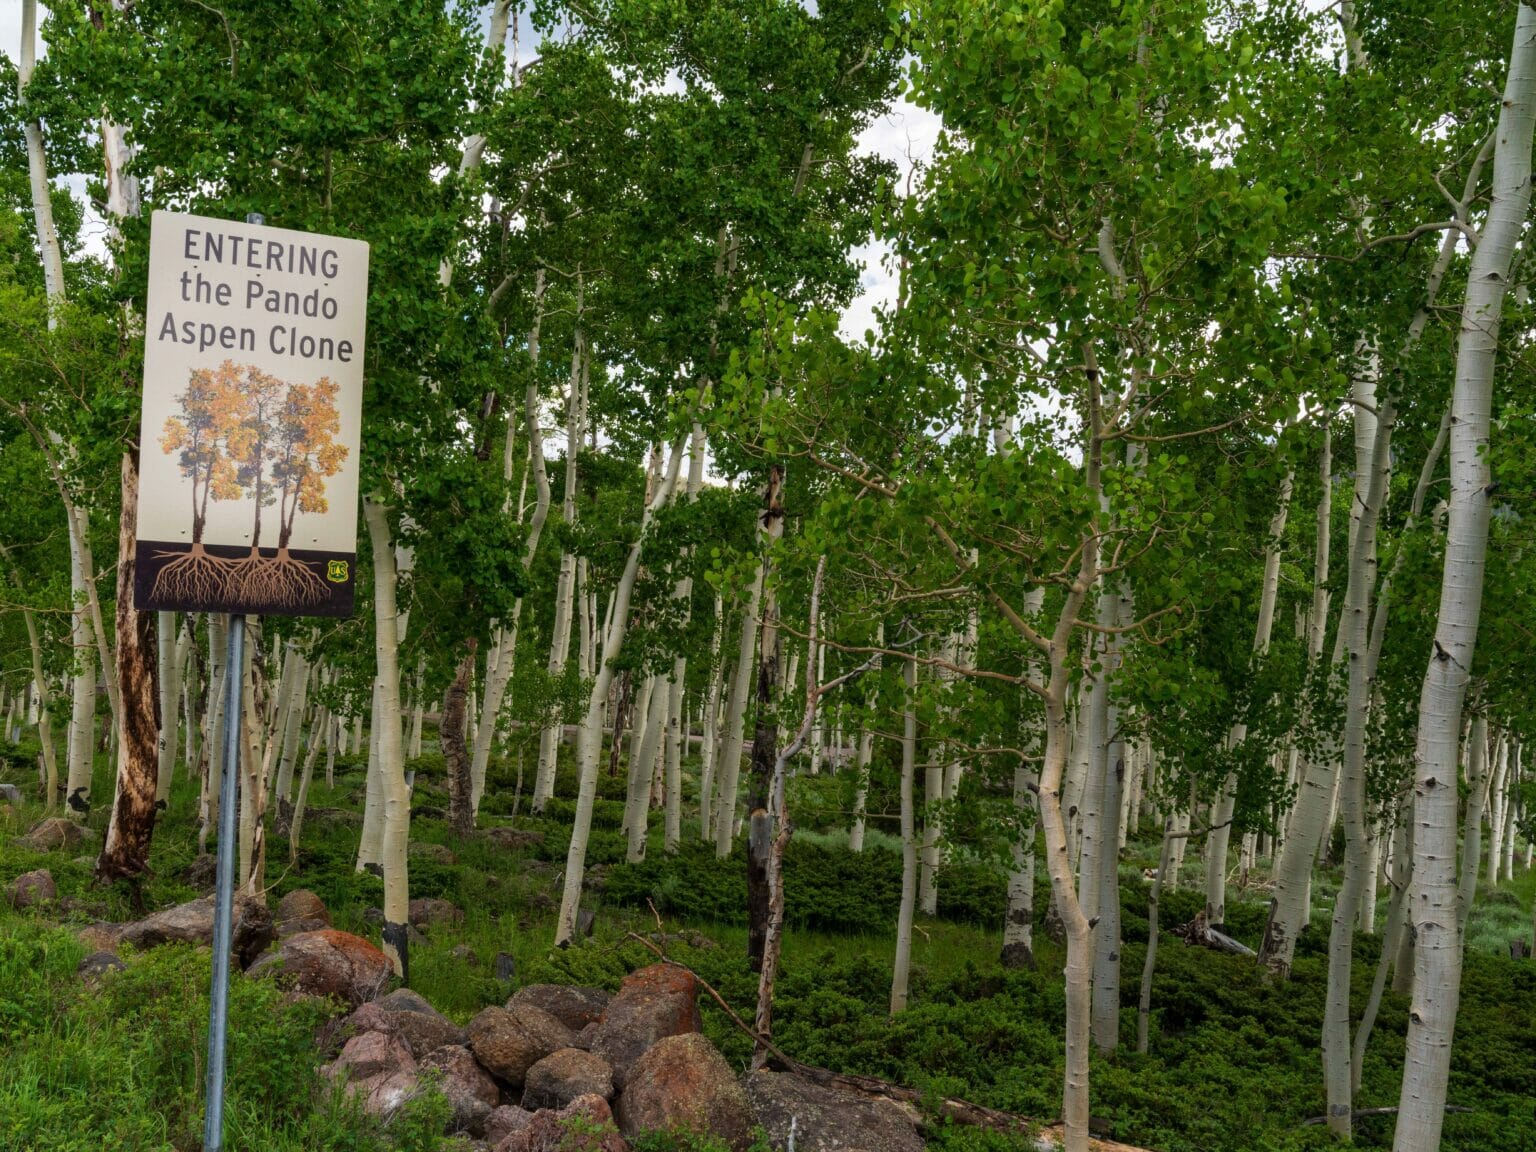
x=901, y=973
x=1435, y=915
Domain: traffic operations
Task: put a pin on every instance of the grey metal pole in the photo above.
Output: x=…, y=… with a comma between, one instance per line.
x=224, y=901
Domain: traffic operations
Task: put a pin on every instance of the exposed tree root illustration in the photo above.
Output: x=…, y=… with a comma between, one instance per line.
x=281, y=581
x=196, y=577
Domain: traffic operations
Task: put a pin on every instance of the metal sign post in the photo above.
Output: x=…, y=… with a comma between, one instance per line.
x=224, y=901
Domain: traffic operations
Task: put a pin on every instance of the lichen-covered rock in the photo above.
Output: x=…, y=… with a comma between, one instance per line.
x=509, y=1042
x=572, y=1006
x=379, y=1068
x=428, y=910
x=505, y=1120
x=32, y=888
x=565, y=1075
x=302, y=904
x=97, y=965
x=53, y=835
x=328, y=963
x=585, y=1125
x=192, y=923
x=422, y=1031
x=424, y=850
x=652, y=1004
x=683, y=1083
x=826, y=1120
x=468, y=1087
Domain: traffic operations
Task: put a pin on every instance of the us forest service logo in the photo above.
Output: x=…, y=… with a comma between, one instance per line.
x=336, y=571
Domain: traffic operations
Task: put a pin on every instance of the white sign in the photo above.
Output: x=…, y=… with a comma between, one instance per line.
x=252, y=419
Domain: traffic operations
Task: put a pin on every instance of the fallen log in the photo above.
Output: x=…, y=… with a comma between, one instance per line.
x=1359, y=1112
x=1199, y=933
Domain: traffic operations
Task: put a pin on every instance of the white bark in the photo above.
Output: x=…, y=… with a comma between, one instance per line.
x=711, y=726
x=1477, y=801
x=388, y=634
x=901, y=973
x=729, y=769
x=1289, y=908
x=1434, y=916
x=590, y=736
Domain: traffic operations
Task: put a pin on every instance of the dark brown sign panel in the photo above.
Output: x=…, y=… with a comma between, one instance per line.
x=253, y=385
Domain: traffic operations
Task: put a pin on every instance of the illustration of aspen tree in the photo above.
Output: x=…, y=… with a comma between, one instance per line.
x=389, y=633
x=672, y=822
x=1226, y=800
x=711, y=725
x=901, y=972
x=589, y=736
x=1434, y=913
x=1372, y=473
x=565, y=587
x=1019, y=921
x=496, y=687
x=765, y=730
x=1288, y=910
x=863, y=758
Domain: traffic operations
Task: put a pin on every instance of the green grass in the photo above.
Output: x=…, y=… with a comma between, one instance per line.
x=1234, y=1065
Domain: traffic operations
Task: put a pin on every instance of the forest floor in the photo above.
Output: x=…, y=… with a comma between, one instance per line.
x=1233, y=1066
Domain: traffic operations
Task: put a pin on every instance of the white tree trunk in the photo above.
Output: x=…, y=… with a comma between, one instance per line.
x=711, y=727
x=1477, y=800
x=589, y=737
x=1290, y=906
x=729, y=769
x=389, y=632
x=1434, y=916
x=901, y=972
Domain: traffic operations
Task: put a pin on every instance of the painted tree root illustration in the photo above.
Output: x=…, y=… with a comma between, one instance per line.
x=246, y=434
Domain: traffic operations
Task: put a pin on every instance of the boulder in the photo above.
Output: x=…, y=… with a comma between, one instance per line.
x=428, y=910
x=504, y=1121
x=31, y=888
x=509, y=1043
x=437, y=853
x=826, y=1120
x=288, y=928
x=10, y=794
x=97, y=965
x=565, y=1075
x=572, y=1006
x=652, y=1004
x=682, y=1082
x=192, y=923
x=513, y=839
x=468, y=1087
x=54, y=834
x=100, y=937
x=379, y=1068
x=202, y=873
x=302, y=904
x=505, y=965
x=407, y=1015
x=465, y=955
x=549, y=1131
x=328, y=963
